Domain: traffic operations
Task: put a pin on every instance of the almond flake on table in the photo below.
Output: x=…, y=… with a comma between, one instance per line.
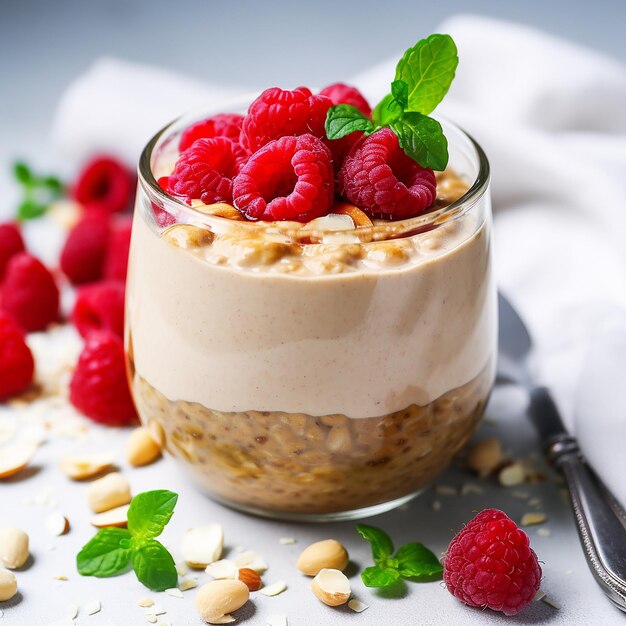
x=286, y=541
x=436, y=505
x=175, y=592
x=445, y=490
x=543, y=532
x=471, y=488
x=93, y=607
x=532, y=519
x=15, y=458
x=357, y=606
x=156, y=609
x=181, y=569
x=276, y=620
x=187, y=583
x=72, y=611
x=145, y=602
x=274, y=589
x=61, y=577
x=151, y=618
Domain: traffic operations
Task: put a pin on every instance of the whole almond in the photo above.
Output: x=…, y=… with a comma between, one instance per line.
x=249, y=578
x=13, y=547
x=8, y=585
x=327, y=554
x=141, y=448
x=217, y=599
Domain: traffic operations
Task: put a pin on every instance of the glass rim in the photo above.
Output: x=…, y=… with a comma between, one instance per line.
x=398, y=228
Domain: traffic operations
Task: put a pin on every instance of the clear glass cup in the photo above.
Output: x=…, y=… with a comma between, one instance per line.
x=311, y=373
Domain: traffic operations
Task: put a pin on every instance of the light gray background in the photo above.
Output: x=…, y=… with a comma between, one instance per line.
x=43, y=46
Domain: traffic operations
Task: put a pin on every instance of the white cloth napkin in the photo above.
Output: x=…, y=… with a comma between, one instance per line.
x=552, y=119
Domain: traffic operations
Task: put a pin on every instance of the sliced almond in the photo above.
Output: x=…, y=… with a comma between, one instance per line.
x=15, y=458
x=331, y=587
x=533, y=518
x=175, y=592
x=84, y=467
x=187, y=583
x=108, y=492
x=252, y=560
x=276, y=620
x=274, y=589
x=202, y=545
x=485, y=456
x=221, y=570
x=93, y=607
x=512, y=475
x=141, y=448
x=358, y=217
x=331, y=222
x=220, y=209
x=57, y=524
x=117, y=518
x=145, y=602
x=357, y=606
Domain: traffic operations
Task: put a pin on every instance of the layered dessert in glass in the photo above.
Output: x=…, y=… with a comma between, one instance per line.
x=322, y=366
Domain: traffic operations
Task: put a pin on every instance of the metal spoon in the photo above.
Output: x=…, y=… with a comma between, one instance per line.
x=600, y=519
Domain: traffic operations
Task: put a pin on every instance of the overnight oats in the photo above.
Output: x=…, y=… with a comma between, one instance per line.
x=311, y=315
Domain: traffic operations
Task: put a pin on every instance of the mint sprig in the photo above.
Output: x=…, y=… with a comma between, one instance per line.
x=113, y=550
x=423, y=77
x=413, y=561
x=38, y=191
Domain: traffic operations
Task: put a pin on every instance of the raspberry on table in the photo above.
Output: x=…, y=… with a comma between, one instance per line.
x=85, y=249
x=277, y=113
x=490, y=564
x=221, y=125
x=290, y=178
x=341, y=93
x=11, y=243
x=99, y=306
x=382, y=180
x=104, y=184
x=116, y=261
x=29, y=293
x=99, y=387
x=205, y=171
x=16, y=360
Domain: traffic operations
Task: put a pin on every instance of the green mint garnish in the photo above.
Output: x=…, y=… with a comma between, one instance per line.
x=413, y=561
x=38, y=191
x=423, y=77
x=428, y=69
x=112, y=550
x=422, y=138
x=344, y=119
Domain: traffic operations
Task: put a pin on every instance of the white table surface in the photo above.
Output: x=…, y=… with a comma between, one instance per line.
x=26, y=501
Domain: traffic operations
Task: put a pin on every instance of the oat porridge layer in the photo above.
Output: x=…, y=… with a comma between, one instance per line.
x=302, y=464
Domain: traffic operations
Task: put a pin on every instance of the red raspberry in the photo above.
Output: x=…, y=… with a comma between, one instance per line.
x=205, y=171
x=277, y=113
x=99, y=387
x=85, y=249
x=491, y=564
x=116, y=262
x=340, y=93
x=16, y=361
x=100, y=306
x=104, y=184
x=382, y=180
x=288, y=179
x=221, y=125
x=29, y=294
x=11, y=243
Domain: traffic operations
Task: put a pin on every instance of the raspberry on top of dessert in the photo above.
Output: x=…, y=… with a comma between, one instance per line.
x=296, y=153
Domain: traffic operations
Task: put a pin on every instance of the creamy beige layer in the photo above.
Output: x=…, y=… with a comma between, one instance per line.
x=362, y=343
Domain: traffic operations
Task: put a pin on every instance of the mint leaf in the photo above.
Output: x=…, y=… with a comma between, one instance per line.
x=400, y=93
x=154, y=566
x=381, y=543
x=343, y=119
x=377, y=576
x=106, y=554
x=30, y=209
x=22, y=173
x=428, y=68
x=150, y=512
x=53, y=183
x=417, y=561
x=422, y=138
x=386, y=111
